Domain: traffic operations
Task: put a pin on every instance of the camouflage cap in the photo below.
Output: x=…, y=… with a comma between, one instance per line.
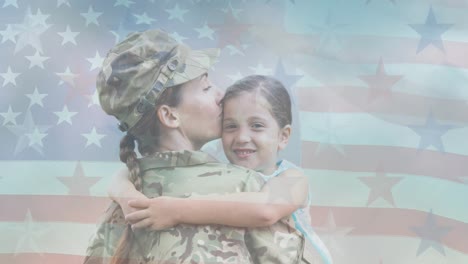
x=138, y=69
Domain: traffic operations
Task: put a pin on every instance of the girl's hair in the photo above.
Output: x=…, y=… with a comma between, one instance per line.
x=271, y=89
x=147, y=135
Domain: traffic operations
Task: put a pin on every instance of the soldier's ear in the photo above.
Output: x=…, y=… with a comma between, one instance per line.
x=168, y=116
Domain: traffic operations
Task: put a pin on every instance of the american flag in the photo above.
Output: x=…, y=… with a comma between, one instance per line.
x=380, y=116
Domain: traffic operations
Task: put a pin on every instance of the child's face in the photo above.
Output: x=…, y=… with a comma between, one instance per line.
x=251, y=136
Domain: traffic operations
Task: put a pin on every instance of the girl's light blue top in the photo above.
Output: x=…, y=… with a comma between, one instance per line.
x=302, y=215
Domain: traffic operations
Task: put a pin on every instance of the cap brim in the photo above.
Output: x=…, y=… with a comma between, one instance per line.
x=197, y=63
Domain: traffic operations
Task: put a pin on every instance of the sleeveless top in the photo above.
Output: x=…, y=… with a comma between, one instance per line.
x=301, y=216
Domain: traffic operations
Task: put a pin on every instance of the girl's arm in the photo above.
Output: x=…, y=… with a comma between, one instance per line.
x=279, y=197
x=122, y=190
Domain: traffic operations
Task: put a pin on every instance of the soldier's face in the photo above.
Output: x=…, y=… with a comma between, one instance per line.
x=200, y=111
x=251, y=136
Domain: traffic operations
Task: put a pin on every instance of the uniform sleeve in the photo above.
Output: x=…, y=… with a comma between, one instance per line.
x=104, y=242
x=278, y=243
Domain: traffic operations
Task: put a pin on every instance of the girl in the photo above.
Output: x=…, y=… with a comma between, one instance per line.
x=256, y=125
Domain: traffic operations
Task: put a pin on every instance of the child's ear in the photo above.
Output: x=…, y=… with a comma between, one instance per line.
x=284, y=135
x=168, y=116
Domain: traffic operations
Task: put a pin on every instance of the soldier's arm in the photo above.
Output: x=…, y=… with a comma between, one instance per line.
x=278, y=198
x=105, y=240
x=122, y=190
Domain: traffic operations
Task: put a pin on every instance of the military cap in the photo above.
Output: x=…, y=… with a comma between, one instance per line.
x=138, y=69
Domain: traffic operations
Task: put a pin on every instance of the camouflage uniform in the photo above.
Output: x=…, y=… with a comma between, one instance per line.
x=182, y=174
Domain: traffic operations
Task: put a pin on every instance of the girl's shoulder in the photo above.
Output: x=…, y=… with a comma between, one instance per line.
x=286, y=165
x=282, y=166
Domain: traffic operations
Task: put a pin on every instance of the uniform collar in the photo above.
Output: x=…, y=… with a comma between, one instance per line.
x=174, y=159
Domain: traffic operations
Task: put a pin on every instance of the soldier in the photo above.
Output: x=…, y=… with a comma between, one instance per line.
x=160, y=92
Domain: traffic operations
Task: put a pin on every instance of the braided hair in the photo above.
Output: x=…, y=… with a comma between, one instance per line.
x=145, y=134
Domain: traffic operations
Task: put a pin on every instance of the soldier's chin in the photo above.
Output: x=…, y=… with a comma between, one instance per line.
x=217, y=134
x=214, y=136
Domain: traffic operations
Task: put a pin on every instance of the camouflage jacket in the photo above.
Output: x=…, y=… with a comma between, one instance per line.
x=182, y=174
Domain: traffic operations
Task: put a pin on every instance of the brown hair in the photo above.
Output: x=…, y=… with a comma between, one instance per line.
x=271, y=89
x=146, y=133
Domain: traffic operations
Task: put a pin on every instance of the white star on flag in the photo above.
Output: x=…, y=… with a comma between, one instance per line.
x=96, y=62
x=63, y=2
x=68, y=36
x=91, y=16
x=36, y=98
x=233, y=50
x=30, y=32
x=65, y=115
x=205, y=32
x=94, y=99
x=177, y=37
x=235, y=11
x=177, y=13
x=36, y=137
x=261, y=70
x=93, y=138
x=235, y=77
x=143, y=19
x=22, y=131
x=39, y=19
x=9, y=77
x=10, y=116
x=29, y=235
x=13, y=3
x=67, y=77
x=9, y=34
x=125, y=3
x=36, y=60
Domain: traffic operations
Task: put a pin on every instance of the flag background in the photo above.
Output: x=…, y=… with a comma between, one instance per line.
x=380, y=115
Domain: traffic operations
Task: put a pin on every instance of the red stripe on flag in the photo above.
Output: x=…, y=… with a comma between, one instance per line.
x=446, y=166
x=355, y=99
x=40, y=258
x=391, y=222
x=368, y=49
x=44, y=208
